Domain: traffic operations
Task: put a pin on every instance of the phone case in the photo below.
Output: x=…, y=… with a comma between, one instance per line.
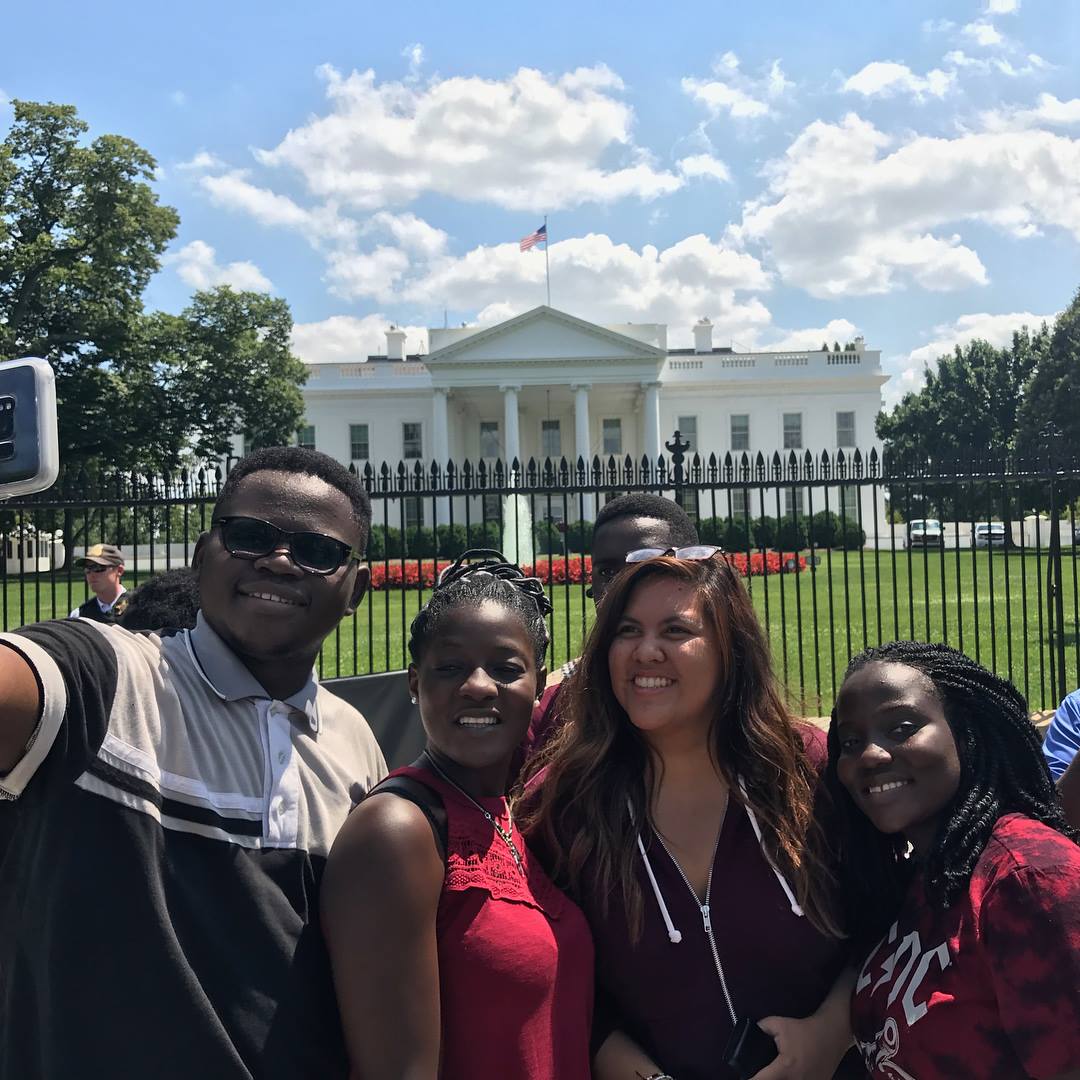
x=749, y=1049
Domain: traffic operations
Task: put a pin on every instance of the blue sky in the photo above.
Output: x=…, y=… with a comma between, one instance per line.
x=796, y=172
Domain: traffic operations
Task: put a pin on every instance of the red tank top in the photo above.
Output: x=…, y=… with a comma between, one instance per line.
x=515, y=955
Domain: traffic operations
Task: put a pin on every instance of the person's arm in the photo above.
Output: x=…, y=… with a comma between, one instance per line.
x=1061, y=743
x=20, y=707
x=1069, y=790
x=620, y=1058
x=813, y=1048
x=380, y=897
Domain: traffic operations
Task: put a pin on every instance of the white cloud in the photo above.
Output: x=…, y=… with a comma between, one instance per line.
x=1049, y=110
x=353, y=274
x=234, y=191
x=740, y=96
x=909, y=371
x=196, y=265
x=886, y=78
x=1002, y=7
x=603, y=281
x=984, y=33
x=937, y=26
x=409, y=232
x=414, y=53
x=995, y=65
x=178, y=98
x=705, y=165
x=849, y=212
x=347, y=339
x=524, y=142
x=201, y=161
x=811, y=338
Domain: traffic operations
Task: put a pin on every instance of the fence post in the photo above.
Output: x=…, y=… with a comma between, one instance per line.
x=677, y=449
x=1055, y=585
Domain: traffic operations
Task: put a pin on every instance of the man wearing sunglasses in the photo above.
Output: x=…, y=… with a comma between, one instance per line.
x=176, y=796
x=103, y=565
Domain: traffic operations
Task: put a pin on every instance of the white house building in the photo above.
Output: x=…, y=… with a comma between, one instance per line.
x=548, y=384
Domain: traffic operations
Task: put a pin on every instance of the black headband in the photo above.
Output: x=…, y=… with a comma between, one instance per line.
x=480, y=561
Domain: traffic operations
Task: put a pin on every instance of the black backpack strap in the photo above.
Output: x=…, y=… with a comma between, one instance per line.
x=428, y=800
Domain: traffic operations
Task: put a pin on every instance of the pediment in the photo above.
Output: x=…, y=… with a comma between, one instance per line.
x=543, y=335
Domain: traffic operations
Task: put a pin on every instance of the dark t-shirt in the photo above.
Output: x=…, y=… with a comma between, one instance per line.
x=668, y=996
x=989, y=987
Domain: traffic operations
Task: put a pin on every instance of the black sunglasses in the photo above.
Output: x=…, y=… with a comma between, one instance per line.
x=251, y=538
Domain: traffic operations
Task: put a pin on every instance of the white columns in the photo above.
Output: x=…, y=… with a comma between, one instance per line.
x=582, y=443
x=440, y=437
x=510, y=423
x=652, y=420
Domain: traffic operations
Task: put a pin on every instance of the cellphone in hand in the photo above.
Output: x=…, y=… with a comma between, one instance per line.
x=749, y=1049
x=29, y=447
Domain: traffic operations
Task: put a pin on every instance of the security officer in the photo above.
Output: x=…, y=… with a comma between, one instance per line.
x=104, y=567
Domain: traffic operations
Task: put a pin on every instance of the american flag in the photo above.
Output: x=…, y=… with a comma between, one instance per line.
x=538, y=237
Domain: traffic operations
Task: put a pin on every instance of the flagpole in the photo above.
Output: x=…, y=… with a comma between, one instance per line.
x=547, y=264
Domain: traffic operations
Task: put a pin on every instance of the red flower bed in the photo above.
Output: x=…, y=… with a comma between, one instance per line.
x=560, y=569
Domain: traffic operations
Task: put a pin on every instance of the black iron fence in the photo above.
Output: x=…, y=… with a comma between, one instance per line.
x=840, y=550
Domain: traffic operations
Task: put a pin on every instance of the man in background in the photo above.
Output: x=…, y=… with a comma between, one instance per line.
x=103, y=565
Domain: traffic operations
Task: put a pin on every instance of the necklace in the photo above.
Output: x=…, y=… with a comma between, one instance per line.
x=507, y=837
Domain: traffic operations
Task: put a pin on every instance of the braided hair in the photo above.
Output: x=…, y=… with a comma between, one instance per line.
x=1002, y=771
x=479, y=575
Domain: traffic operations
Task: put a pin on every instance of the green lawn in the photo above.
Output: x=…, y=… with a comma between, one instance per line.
x=815, y=620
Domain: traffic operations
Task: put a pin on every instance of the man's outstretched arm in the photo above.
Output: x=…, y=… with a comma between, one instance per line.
x=20, y=706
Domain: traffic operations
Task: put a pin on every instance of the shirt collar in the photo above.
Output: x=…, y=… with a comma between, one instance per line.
x=222, y=670
x=109, y=607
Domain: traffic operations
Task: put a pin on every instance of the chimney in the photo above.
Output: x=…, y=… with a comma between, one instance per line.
x=395, y=344
x=860, y=343
x=703, y=336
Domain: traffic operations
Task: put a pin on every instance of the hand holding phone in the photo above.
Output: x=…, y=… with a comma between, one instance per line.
x=29, y=444
x=749, y=1049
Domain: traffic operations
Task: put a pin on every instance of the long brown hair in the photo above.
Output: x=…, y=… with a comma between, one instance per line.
x=575, y=815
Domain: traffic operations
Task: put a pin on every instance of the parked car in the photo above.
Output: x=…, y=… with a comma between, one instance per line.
x=989, y=534
x=925, y=533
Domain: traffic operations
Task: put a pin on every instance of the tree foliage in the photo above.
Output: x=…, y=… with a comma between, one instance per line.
x=81, y=234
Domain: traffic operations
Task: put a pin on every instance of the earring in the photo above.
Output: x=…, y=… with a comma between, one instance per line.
x=413, y=700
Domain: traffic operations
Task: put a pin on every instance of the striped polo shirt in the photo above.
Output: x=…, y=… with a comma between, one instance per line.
x=167, y=831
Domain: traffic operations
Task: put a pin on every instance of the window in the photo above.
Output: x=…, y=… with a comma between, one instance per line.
x=687, y=428
x=794, y=501
x=739, y=502
x=358, y=442
x=412, y=438
x=489, y=439
x=793, y=431
x=550, y=439
x=849, y=502
x=613, y=436
x=845, y=429
x=740, y=431
x=492, y=508
x=414, y=511
x=305, y=437
x=687, y=499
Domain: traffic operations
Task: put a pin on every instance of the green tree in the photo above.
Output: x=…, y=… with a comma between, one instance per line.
x=1054, y=391
x=222, y=366
x=81, y=233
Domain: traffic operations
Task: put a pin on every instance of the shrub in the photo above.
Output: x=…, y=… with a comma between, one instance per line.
x=736, y=535
x=764, y=530
x=854, y=537
x=824, y=529
x=791, y=534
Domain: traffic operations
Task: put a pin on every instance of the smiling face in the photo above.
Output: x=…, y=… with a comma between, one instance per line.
x=898, y=758
x=616, y=539
x=271, y=613
x=476, y=681
x=664, y=662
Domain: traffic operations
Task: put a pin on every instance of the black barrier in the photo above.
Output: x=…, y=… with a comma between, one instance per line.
x=384, y=701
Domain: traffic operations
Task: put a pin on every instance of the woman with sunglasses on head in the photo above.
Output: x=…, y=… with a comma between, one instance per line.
x=454, y=955
x=961, y=875
x=677, y=805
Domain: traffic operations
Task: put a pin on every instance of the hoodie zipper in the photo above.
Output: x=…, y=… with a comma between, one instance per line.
x=706, y=916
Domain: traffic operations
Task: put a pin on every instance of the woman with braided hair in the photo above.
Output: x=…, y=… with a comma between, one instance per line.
x=962, y=877
x=454, y=956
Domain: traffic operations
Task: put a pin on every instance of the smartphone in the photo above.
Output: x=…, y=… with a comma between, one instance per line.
x=749, y=1049
x=29, y=446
